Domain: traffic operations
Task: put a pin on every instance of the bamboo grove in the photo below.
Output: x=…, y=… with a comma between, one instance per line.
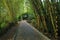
x=9, y=13
x=48, y=12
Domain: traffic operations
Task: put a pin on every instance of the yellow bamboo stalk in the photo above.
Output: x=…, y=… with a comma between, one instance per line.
x=51, y=17
x=43, y=18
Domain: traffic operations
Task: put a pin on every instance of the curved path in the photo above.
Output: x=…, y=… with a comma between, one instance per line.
x=24, y=31
x=27, y=32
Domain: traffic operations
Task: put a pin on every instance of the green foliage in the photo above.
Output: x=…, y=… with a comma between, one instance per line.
x=11, y=10
x=48, y=12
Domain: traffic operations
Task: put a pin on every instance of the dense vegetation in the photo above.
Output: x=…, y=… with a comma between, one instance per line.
x=49, y=15
x=12, y=10
x=43, y=14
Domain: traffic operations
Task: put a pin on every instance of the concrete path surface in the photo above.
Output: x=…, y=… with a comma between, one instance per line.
x=27, y=32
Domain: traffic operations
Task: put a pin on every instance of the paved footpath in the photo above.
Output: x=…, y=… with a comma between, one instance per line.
x=24, y=31
x=27, y=32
